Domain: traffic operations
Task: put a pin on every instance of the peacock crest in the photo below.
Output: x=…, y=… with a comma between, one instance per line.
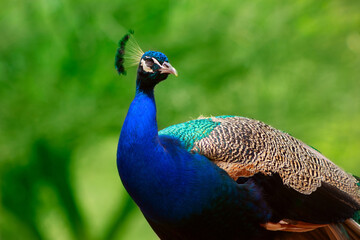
x=133, y=53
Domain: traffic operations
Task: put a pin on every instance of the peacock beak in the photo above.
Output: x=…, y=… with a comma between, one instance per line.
x=167, y=68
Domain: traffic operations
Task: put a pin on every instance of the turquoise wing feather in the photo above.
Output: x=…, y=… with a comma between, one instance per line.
x=190, y=132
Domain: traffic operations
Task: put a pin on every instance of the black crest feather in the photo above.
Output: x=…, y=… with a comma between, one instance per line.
x=120, y=52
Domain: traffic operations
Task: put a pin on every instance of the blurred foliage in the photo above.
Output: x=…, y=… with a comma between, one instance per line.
x=292, y=64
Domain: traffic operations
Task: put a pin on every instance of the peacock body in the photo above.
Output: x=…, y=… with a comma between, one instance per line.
x=228, y=177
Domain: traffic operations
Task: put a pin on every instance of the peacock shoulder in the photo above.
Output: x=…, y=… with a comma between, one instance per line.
x=244, y=147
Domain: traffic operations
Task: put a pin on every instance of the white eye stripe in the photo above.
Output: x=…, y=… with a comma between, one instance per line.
x=156, y=62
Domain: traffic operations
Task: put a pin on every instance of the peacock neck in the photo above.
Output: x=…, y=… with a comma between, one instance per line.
x=140, y=125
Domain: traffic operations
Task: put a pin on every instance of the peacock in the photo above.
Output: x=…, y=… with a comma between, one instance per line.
x=227, y=177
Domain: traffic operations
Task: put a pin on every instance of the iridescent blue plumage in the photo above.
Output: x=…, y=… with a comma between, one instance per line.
x=157, y=55
x=206, y=178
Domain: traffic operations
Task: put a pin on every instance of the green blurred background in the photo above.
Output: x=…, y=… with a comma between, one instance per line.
x=292, y=64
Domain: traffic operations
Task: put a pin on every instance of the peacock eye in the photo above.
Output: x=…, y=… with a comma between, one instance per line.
x=149, y=62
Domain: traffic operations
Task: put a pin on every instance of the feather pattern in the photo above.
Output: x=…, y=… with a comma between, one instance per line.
x=244, y=147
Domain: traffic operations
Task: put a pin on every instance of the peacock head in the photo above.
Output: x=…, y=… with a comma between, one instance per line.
x=154, y=67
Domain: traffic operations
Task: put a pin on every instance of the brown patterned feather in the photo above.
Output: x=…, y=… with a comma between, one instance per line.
x=244, y=147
